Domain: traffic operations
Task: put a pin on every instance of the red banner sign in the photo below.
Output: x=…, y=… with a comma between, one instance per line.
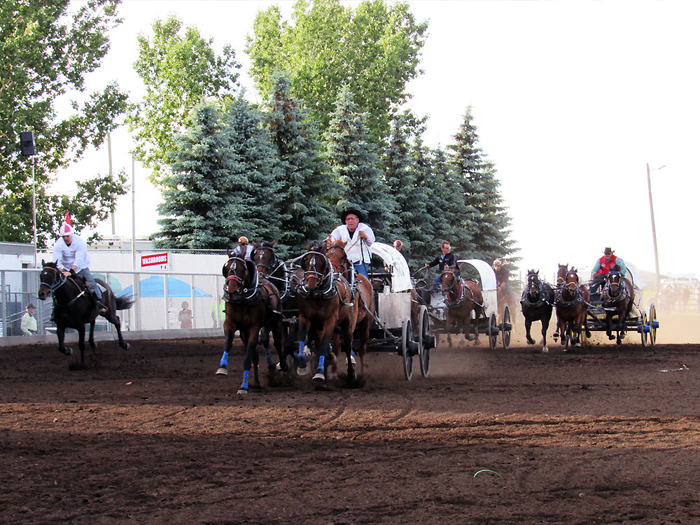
x=155, y=259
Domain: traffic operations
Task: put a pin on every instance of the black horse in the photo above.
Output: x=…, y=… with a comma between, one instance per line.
x=74, y=308
x=537, y=303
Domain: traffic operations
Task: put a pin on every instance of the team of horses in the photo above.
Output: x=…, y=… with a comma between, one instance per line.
x=571, y=299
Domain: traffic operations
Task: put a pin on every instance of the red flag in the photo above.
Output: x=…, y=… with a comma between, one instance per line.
x=68, y=219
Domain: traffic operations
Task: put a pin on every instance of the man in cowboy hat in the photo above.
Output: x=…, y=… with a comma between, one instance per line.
x=70, y=253
x=244, y=249
x=603, y=266
x=29, y=324
x=359, y=238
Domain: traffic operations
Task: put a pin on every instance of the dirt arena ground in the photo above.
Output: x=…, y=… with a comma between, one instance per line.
x=604, y=434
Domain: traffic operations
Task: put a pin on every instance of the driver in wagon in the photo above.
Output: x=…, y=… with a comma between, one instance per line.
x=602, y=268
x=359, y=238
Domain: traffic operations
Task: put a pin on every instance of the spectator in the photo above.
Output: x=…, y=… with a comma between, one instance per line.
x=185, y=316
x=29, y=324
x=218, y=314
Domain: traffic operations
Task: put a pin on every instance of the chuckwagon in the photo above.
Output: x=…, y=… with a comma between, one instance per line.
x=604, y=304
x=487, y=321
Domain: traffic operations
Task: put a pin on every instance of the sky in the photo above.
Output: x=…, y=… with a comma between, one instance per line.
x=572, y=100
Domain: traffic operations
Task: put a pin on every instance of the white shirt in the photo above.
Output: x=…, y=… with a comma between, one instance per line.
x=249, y=250
x=356, y=251
x=75, y=254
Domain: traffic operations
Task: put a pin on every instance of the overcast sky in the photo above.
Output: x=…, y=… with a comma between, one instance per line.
x=571, y=101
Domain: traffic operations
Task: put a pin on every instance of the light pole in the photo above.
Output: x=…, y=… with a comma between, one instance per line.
x=653, y=231
x=29, y=150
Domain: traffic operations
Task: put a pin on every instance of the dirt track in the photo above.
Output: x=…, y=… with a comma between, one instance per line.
x=601, y=435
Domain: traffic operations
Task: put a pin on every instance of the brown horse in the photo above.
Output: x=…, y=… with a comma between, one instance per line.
x=571, y=307
x=364, y=301
x=461, y=297
x=618, y=298
x=325, y=302
x=252, y=302
x=74, y=308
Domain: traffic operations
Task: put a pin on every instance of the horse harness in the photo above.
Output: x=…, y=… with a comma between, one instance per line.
x=541, y=296
x=252, y=295
x=62, y=279
x=569, y=303
x=462, y=295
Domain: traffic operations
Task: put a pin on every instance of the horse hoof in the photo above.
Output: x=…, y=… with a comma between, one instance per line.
x=352, y=360
x=578, y=345
x=611, y=337
x=555, y=336
x=303, y=371
x=222, y=371
x=242, y=391
x=331, y=360
x=531, y=341
x=545, y=350
x=67, y=351
x=319, y=376
x=126, y=346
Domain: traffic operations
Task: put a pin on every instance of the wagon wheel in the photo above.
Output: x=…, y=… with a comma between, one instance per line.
x=424, y=340
x=493, y=331
x=643, y=330
x=406, y=332
x=653, y=324
x=506, y=327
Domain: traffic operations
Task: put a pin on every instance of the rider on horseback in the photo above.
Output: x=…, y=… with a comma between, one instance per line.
x=603, y=267
x=70, y=254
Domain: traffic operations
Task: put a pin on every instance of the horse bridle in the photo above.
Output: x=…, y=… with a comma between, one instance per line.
x=326, y=275
x=240, y=280
x=62, y=279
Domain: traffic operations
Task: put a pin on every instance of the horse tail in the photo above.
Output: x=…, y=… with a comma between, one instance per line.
x=124, y=303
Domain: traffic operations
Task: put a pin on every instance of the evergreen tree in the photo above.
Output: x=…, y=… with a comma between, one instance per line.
x=406, y=167
x=481, y=193
x=354, y=164
x=197, y=209
x=453, y=218
x=256, y=174
x=307, y=184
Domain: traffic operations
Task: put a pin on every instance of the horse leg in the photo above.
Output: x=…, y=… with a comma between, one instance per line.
x=250, y=341
x=228, y=343
x=545, y=325
x=301, y=354
x=608, y=323
x=364, y=337
x=528, y=325
x=476, y=327
x=265, y=341
x=448, y=326
x=113, y=318
x=81, y=345
x=92, y=335
x=323, y=346
x=61, y=333
x=278, y=333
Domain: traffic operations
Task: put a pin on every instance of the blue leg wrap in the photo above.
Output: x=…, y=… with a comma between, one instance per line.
x=224, y=360
x=321, y=362
x=244, y=384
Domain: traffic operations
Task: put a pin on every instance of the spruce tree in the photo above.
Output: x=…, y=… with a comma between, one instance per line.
x=405, y=167
x=195, y=212
x=255, y=175
x=354, y=164
x=481, y=193
x=306, y=181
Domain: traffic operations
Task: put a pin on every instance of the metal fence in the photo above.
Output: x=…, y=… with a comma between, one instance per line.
x=158, y=300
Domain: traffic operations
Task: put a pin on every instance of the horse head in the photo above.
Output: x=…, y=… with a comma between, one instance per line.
x=615, y=284
x=561, y=274
x=448, y=281
x=339, y=259
x=571, y=281
x=238, y=278
x=316, y=267
x=264, y=257
x=533, y=283
x=50, y=279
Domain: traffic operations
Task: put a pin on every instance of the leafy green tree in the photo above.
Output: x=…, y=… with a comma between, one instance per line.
x=178, y=71
x=481, y=194
x=374, y=50
x=354, y=164
x=307, y=184
x=47, y=51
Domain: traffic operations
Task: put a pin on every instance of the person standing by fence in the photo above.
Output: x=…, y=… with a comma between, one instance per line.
x=29, y=324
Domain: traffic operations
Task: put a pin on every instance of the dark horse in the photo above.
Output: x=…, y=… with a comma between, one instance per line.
x=275, y=270
x=537, y=303
x=325, y=302
x=74, y=308
x=618, y=298
x=461, y=297
x=571, y=306
x=364, y=299
x=252, y=303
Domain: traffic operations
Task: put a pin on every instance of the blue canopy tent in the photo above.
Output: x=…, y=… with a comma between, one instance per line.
x=154, y=286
